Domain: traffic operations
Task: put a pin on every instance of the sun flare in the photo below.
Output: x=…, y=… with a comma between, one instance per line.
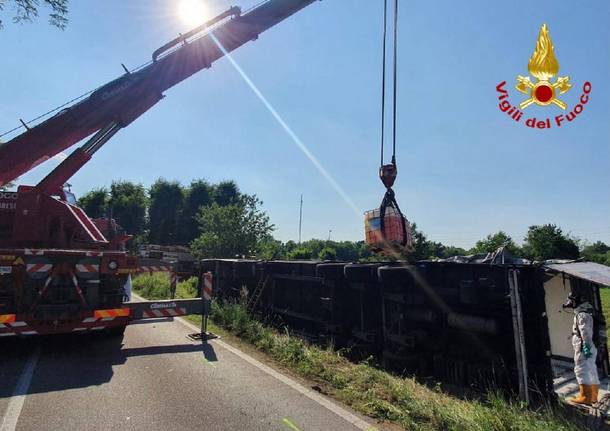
x=192, y=12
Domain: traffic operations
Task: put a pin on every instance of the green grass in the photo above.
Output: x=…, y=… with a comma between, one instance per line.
x=605, y=295
x=372, y=391
x=156, y=286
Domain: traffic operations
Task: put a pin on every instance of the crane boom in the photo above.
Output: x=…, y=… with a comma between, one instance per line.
x=125, y=99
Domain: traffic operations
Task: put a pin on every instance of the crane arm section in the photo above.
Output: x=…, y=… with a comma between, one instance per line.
x=125, y=99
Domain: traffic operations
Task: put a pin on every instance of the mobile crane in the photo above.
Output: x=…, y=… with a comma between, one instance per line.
x=59, y=273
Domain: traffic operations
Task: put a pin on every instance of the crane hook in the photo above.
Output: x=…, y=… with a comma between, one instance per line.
x=387, y=174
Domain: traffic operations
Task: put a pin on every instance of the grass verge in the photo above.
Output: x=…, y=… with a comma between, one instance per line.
x=604, y=292
x=363, y=387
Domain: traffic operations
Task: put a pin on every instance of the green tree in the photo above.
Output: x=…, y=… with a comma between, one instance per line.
x=596, y=252
x=289, y=247
x=226, y=193
x=299, y=253
x=28, y=11
x=493, y=242
x=270, y=249
x=128, y=202
x=232, y=230
x=314, y=246
x=436, y=249
x=95, y=203
x=451, y=251
x=166, y=204
x=422, y=247
x=199, y=194
x=598, y=247
x=351, y=251
x=327, y=253
x=549, y=242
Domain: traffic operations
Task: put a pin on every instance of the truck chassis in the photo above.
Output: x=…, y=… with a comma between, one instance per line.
x=65, y=291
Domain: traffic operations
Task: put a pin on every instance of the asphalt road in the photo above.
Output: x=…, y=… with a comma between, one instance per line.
x=153, y=379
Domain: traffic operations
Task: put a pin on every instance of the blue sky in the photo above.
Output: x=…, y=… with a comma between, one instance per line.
x=465, y=168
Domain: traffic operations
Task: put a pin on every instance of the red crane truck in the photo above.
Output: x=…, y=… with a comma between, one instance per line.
x=58, y=271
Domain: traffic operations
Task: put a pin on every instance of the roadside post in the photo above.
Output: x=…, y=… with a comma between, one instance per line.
x=173, y=280
x=206, y=301
x=206, y=281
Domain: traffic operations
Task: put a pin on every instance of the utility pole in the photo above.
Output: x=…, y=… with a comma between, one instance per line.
x=300, y=217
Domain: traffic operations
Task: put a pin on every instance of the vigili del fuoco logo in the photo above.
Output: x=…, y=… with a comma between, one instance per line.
x=544, y=90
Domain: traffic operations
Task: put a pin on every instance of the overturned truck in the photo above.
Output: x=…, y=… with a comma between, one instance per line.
x=467, y=322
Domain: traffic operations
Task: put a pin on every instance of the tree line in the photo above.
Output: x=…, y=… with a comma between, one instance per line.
x=217, y=220
x=542, y=242
x=201, y=214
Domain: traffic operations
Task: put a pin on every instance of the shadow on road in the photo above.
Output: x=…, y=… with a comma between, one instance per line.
x=208, y=352
x=76, y=361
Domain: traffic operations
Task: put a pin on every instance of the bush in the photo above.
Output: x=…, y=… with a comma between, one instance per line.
x=299, y=254
x=157, y=286
x=328, y=253
x=187, y=288
x=152, y=286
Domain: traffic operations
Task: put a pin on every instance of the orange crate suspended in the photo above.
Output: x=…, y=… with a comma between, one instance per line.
x=392, y=232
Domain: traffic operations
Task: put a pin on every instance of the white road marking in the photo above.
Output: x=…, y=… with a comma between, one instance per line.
x=15, y=405
x=314, y=396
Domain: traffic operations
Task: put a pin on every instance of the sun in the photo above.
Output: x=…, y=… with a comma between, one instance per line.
x=192, y=12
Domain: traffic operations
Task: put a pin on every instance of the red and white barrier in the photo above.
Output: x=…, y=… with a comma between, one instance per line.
x=38, y=267
x=164, y=312
x=157, y=268
x=207, y=286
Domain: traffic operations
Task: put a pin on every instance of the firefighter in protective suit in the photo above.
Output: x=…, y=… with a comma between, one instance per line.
x=585, y=352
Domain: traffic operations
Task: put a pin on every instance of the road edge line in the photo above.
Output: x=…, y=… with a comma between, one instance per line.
x=314, y=396
x=15, y=405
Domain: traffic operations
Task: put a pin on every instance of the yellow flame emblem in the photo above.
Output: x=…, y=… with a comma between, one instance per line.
x=543, y=65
